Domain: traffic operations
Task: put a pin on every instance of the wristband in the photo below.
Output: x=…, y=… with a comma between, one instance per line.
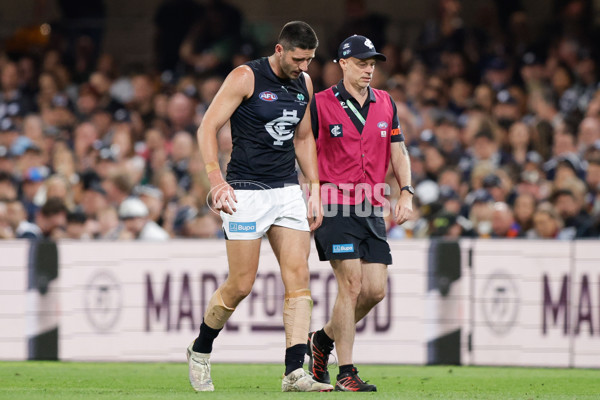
x=211, y=166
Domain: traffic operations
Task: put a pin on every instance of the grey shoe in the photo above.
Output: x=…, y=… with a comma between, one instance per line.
x=300, y=381
x=199, y=366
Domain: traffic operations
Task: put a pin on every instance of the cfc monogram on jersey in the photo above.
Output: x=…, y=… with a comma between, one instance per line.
x=282, y=128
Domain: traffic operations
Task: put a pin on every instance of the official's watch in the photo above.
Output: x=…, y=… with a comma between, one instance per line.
x=408, y=188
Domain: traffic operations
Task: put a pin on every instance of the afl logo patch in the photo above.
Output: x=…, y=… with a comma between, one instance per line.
x=268, y=96
x=382, y=125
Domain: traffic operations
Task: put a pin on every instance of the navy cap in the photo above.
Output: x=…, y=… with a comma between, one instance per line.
x=183, y=215
x=497, y=64
x=479, y=196
x=96, y=187
x=504, y=97
x=76, y=217
x=491, y=180
x=122, y=115
x=358, y=47
x=446, y=118
x=573, y=161
x=447, y=193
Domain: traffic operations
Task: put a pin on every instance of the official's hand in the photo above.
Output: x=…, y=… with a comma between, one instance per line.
x=314, y=211
x=403, y=210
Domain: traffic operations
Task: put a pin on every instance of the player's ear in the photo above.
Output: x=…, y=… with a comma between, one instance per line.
x=279, y=49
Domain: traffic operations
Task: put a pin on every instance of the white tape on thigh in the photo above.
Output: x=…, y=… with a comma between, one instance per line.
x=297, y=308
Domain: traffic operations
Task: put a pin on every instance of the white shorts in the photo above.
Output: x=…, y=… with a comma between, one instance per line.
x=257, y=210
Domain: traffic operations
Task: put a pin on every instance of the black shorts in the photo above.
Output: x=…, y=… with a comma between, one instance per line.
x=351, y=236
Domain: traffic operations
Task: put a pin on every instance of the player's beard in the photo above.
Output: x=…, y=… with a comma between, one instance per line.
x=289, y=70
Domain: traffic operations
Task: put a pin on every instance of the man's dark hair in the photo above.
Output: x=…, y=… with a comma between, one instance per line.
x=562, y=192
x=53, y=206
x=298, y=34
x=6, y=177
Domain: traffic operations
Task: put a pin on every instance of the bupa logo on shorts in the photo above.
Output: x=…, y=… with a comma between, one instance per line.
x=242, y=227
x=268, y=96
x=343, y=248
x=336, y=130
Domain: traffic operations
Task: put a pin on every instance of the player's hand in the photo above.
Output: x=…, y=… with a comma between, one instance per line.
x=314, y=211
x=404, y=209
x=222, y=194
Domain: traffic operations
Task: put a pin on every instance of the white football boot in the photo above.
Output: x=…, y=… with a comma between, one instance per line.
x=199, y=366
x=300, y=381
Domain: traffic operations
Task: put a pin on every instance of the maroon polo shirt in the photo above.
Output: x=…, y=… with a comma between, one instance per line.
x=353, y=159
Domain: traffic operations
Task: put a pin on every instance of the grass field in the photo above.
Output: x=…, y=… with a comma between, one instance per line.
x=66, y=381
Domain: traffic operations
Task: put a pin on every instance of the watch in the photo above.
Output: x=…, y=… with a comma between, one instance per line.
x=408, y=188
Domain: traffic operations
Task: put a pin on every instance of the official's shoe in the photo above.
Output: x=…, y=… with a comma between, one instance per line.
x=351, y=382
x=300, y=381
x=199, y=370
x=318, y=357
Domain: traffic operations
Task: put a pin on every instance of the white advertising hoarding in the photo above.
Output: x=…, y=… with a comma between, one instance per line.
x=144, y=301
x=535, y=303
x=13, y=300
x=522, y=303
x=585, y=305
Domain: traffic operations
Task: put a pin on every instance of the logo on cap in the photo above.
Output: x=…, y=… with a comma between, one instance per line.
x=369, y=44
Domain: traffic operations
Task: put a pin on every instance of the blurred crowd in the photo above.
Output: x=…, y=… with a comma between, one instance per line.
x=503, y=126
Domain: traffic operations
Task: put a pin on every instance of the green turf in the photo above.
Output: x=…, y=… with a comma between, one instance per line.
x=65, y=381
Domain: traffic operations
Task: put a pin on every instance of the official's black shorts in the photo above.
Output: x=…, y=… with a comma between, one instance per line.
x=351, y=235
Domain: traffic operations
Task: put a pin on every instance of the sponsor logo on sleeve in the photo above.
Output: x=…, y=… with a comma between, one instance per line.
x=395, y=132
x=242, y=227
x=343, y=248
x=267, y=96
x=336, y=130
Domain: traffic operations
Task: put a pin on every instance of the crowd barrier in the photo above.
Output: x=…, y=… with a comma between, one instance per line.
x=473, y=302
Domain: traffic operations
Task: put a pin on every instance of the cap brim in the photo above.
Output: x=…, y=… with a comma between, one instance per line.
x=371, y=54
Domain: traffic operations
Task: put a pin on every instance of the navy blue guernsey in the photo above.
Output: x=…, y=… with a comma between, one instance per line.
x=263, y=128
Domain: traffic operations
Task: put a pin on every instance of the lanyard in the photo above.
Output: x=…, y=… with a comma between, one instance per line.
x=351, y=107
x=355, y=111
